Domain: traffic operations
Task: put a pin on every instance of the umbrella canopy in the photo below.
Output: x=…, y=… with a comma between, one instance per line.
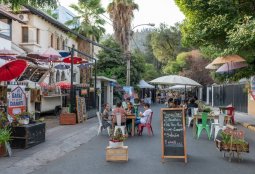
x=211, y=66
x=51, y=53
x=62, y=66
x=144, y=84
x=175, y=80
x=76, y=60
x=227, y=59
x=37, y=55
x=12, y=70
x=64, y=84
x=7, y=57
x=85, y=65
x=231, y=66
x=179, y=87
x=64, y=53
x=6, y=52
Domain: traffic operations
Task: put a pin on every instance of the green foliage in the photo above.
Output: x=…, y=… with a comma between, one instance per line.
x=166, y=43
x=5, y=135
x=220, y=27
x=225, y=137
x=88, y=22
x=112, y=64
x=150, y=72
x=16, y=4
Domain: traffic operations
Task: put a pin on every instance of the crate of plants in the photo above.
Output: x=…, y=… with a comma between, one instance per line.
x=232, y=140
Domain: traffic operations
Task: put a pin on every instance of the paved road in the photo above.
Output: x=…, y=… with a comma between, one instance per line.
x=145, y=157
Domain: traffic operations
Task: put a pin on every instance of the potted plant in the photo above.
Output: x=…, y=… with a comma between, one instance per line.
x=24, y=118
x=5, y=137
x=116, y=140
x=225, y=140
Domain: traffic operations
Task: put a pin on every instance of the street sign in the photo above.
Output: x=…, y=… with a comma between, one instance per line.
x=173, y=133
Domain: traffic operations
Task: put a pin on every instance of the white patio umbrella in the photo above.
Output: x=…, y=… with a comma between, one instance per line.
x=174, y=80
x=144, y=84
x=180, y=87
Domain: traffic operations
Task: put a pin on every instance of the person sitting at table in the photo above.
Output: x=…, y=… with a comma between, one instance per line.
x=125, y=103
x=191, y=105
x=119, y=109
x=130, y=108
x=106, y=121
x=143, y=116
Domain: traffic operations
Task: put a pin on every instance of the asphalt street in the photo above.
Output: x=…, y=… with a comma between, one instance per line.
x=145, y=156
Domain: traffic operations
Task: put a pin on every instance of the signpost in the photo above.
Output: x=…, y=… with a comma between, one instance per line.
x=173, y=133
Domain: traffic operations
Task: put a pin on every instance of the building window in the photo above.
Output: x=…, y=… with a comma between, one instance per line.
x=63, y=45
x=25, y=34
x=51, y=40
x=38, y=36
x=57, y=76
x=74, y=77
x=58, y=43
x=63, y=76
x=5, y=27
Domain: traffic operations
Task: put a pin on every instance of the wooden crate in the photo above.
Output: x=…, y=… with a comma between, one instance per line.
x=67, y=118
x=117, y=154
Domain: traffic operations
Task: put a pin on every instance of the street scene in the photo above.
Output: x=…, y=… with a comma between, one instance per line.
x=109, y=86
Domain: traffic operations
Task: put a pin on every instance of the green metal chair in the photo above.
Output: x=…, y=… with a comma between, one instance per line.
x=204, y=125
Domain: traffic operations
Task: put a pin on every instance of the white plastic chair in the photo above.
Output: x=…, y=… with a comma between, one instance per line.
x=219, y=126
x=100, y=127
x=118, y=121
x=192, y=115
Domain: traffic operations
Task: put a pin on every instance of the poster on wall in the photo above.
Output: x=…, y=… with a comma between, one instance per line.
x=16, y=99
x=128, y=93
x=252, y=92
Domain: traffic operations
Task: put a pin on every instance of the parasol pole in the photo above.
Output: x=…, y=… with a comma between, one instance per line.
x=71, y=89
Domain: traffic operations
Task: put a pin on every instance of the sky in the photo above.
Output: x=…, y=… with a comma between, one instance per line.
x=150, y=11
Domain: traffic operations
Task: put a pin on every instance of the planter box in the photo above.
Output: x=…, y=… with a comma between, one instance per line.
x=117, y=154
x=67, y=119
x=25, y=136
x=2, y=150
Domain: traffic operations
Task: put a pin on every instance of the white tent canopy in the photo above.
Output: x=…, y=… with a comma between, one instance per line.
x=144, y=84
x=175, y=80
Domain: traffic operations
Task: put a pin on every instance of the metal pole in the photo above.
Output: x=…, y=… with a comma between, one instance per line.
x=71, y=90
x=128, y=57
x=95, y=85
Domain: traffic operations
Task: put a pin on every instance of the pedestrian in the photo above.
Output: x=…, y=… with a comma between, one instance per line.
x=106, y=120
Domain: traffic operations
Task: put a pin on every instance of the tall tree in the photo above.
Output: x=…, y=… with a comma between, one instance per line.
x=16, y=4
x=166, y=43
x=89, y=24
x=221, y=27
x=121, y=13
x=110, y=64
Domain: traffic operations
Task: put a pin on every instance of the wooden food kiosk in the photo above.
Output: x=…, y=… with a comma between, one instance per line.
x=173, y=133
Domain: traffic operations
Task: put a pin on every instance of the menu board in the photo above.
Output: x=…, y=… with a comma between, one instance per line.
x=80, y=108
x=173, y=133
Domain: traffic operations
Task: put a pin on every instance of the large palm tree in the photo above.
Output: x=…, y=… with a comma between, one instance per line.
x=121, y=13
x=15, y=4
x=89, y=24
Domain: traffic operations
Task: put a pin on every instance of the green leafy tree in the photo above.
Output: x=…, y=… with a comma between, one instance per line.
x=220, y=27
x=111, y=64
x=16, y=4
x=166, y=43
x=88, y=22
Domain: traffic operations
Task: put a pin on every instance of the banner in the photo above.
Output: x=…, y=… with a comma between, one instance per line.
x=129, y=93
x=16, y=100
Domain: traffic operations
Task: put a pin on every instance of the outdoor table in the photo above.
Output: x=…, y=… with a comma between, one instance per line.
x=210, y=117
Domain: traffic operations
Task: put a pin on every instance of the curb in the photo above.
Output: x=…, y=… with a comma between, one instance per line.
x=248, y=126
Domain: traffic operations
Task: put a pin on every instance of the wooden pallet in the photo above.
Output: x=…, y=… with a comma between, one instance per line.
x=117, y=154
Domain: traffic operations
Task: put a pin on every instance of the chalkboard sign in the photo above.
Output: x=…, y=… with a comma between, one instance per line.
x=80, y=109
x=173, y=133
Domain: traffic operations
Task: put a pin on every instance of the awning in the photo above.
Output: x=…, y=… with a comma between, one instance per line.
x=144, y=84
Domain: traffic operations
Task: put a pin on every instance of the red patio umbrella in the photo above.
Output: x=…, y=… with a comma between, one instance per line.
x=76, y=60
x=12, y=70
x=64, y=84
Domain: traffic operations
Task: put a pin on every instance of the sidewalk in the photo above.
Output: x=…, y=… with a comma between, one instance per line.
x=59, y=141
